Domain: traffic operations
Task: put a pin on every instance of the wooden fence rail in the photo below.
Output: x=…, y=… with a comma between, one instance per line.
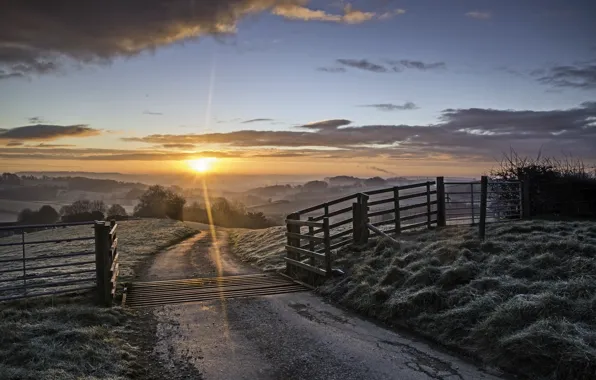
x=337, y=223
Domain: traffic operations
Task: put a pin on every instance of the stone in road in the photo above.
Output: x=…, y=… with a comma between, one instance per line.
x=287, y=336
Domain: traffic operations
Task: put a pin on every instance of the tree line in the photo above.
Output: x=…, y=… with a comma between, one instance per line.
x=155, y=202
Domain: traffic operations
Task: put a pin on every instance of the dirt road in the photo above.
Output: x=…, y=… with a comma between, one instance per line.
x=288, y=336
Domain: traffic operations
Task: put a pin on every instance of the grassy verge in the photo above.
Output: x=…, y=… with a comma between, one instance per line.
x=70, y=338
x=264, y=248
x=523, y=300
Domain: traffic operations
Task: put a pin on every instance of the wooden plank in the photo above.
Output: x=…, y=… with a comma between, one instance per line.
x=441, y=214
x=428, y=209
x=416, y=225
x=304, y=223
x=341, y=234
x=115, y=273
x=114, y=228
x=341, y=244
x=114, y=262
x=416, y=216
x=385, y=222
x=327, y=243
x=334, y=213
x=310, y=209
x=415, y=185
x=305, y=266
x=304, y=237
x=381, y=201
x=381, y=212
x=305, y=252
x=114, y=244
x=380, y=191
x=341, y=200
x=335, y=225
x=383, y=234
x=411, y=196
x=417, y=205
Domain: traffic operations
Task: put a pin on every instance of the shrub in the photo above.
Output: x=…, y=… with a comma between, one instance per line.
x=115, y=211
x=159, y=202
x=45, y=215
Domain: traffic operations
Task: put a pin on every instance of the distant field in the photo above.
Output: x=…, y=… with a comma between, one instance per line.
x=523, y=300
x=64, y=338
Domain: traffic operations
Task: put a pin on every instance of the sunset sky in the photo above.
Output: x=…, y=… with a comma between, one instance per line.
x=377, y=87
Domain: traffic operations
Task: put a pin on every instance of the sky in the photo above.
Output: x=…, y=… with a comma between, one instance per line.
x=377, y=87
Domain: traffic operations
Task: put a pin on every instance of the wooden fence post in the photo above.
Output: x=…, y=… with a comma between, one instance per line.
x=290, y=270
x=356, y=222
x=526, y=198
x=327, y=244
x=365, y=233
x=102, y=263
x=428, y=208
x=472, y=202
x=397, y=213
x=441, y=214
x=483, y=205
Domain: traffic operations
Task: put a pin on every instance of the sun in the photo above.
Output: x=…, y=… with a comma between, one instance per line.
x=202, y=165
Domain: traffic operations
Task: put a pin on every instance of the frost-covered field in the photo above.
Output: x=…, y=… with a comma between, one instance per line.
x=524, y=299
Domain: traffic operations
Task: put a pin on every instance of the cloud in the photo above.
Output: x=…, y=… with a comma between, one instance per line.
x=581, y=76
x=363, y=64
x=392, y=107
x=35, y=120
x=256, y=121
x=38, y=39
x=380, y=170
x=47, y=132
x=332, y=69
x=43, y=145
x=391, y=14
x=470, y=132
x=178, y=146
x=326, y=124
x=152, y=113
x=394, y=65
x=300, y=12
x=418, y=65
x=479, y=15
x=14, y=143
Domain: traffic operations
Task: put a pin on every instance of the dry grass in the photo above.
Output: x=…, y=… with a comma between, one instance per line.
x=523, y=300
x=69, y=337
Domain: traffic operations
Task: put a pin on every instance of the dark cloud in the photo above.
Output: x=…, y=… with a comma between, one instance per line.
x=580, y=75
x=152, y=113
x=332, y=69
x=256, y=121
x=178, y=146
x=392, y=107
x=42, y=132
x=49, y=146
x=417, y=65
x=380, y=170
x=14, y=143
x=35, y=120
x=469, y=132
x=37, y=37
x=326, y=124
x=363, y=64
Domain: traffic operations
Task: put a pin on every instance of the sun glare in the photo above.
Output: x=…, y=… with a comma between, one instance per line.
x=202, y=165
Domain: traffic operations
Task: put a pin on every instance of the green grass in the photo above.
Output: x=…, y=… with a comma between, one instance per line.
x=71, y=338
x=523, y=300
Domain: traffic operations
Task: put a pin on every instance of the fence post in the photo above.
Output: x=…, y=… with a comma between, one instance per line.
x=397, y=213
x=483, y=204
x=311, y=243
x=102, y=266
x=472, y=202
x=292, y=242
x=526, y=201
x=356, y=222
x=365, y=233
x=327, y=244
x=428, y=208
x=441, y=214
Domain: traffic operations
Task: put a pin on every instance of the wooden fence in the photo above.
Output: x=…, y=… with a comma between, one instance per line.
x=313, y=233
x=51, y=259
